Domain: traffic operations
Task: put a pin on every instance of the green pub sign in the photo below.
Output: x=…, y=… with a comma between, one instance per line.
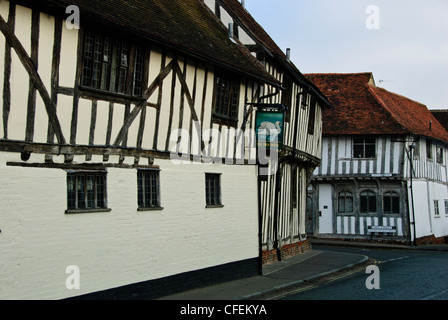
x=269, y=129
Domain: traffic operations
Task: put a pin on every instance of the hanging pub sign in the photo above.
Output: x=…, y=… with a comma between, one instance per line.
x=269, y=129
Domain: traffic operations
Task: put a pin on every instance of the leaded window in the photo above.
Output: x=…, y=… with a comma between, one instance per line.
x=367, y=202
x=345, y=202
x=112, y=65
x=213, y=189
x=391, y=202
x=227, y=97
x=364, y=147
x=86, y=191
x=148, y=189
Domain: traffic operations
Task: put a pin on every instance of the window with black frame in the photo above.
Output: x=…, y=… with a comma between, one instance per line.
x=367, y=202
x=86, y=191
x=364, y=147
x=227, y=98
x=391, y=202
x=148, y=187
x=213, y=190
x=345, y=202
x=112, y=65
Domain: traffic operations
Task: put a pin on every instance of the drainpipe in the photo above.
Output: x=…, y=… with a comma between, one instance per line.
x=277, y=190
x=411, y=169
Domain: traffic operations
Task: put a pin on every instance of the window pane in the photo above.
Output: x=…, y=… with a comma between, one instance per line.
x=341, y=204
x=363, y=204
x=372, y=204
x=88, y=56
x=91, y=192
x=71, y=192
x=97, y=62
x=395, y=205
x=138, y=72
x=81, y=185
x=140, y=188
x=387, y=207
x=370, y=151
x=100, y=192
x=358, y=151
x=349, y=204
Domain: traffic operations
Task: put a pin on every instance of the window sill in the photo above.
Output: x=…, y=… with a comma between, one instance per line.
x=78, y=211
x=151, y=209
x=108, y=95
x=215, y=206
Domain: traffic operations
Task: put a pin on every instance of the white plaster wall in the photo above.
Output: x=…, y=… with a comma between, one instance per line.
x=38, y=240
x=438, y=191
x=421, y=209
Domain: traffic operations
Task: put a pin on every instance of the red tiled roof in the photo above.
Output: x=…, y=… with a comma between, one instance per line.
x=360, y=107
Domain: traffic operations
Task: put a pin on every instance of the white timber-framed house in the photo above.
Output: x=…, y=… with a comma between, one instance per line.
x=119, y=156
x=283, y=203
x=384, y=171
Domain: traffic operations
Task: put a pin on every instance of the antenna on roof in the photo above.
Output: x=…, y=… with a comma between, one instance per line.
x=381, y=81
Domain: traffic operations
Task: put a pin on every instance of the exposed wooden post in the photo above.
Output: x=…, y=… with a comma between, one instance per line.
x=35, y=78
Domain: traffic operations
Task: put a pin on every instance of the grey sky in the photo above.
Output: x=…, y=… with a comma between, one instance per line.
x=409, y=51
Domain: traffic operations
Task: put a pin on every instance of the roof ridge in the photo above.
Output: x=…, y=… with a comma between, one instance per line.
x=404, y=97
x=339, y=73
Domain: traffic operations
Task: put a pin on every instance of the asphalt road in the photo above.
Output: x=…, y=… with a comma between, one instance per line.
x=400, y=275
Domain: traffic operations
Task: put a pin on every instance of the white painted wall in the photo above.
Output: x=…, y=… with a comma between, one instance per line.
x=425, y=192
x=38, y=240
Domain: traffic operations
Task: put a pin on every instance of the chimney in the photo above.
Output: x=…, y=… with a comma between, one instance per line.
x=231, y=30
x=243, y=4
x=288, y=55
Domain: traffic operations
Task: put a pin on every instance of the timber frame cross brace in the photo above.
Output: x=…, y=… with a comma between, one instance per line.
x=35, y=78
x=172, y=66
x=31, y=69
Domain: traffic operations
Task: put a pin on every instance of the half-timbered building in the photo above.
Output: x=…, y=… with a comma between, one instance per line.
x=384, y=172
x=283, y=194
x=128, y=158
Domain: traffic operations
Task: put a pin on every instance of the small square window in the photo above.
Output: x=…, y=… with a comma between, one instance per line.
x=364, y=147
x=148, y=184
x=213, y=190
x=86, y=191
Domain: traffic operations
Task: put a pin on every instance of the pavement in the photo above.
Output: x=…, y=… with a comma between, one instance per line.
x=281, y=277
x=293, y=274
